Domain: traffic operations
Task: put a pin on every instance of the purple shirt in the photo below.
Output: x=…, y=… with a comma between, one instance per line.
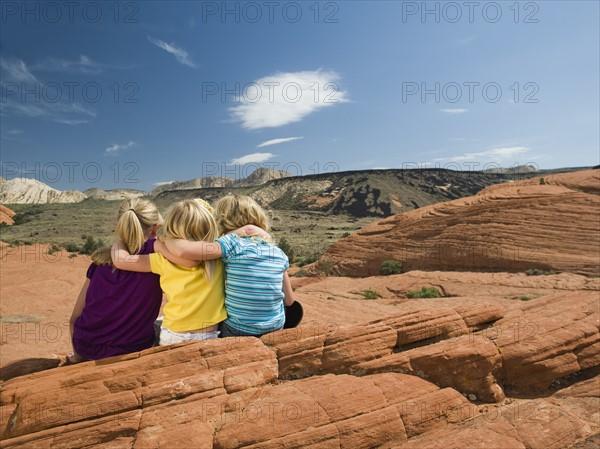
x=119, y=313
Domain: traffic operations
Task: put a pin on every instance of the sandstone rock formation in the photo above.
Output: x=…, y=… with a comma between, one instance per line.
x=6, y=215
x=479, y=367
x=257, y=177
x=549, y=225
x=32, y=191
x=113, y=194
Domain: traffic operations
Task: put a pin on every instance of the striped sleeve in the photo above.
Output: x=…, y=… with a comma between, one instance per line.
x=230, y=246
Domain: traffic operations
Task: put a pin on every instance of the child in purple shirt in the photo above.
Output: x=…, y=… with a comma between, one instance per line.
x=116, y=309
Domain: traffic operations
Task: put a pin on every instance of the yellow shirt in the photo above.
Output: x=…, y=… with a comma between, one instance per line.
x=193, y=302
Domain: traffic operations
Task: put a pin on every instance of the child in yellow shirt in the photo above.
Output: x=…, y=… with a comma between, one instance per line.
x=195, y=294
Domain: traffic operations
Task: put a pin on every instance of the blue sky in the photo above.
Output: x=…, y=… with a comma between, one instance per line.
x=131, y=94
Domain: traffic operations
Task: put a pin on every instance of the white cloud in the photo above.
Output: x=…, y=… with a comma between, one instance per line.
x=72, y=122
x=254, y=158
x=454, y=111
x=116, y=149
x=277, y=141
x=14, y=131
x=163, y=183
x=284, y=98
x=16, y=70
x=500, y=154
x=464, y=40
x=180, y=54
x=82, y=65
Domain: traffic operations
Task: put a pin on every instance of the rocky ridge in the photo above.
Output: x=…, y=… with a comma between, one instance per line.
x=548, y=223
x=31, y=191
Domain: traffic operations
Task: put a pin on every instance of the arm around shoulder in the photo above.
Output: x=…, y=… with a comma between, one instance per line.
x=128, y=262
x=186, y=249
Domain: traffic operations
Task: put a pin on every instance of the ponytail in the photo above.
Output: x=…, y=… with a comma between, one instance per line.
x=130, y=231
x=136, y=219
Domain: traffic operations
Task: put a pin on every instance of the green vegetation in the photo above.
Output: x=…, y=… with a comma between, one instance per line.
x=425, y=292
x=526, y=297
x=26, y=216
x=390, y=267
x=285, y=246
x=305, y=231
x=542, y=181
x=371, y=294
x=53, y=248
x=325, y=267
x=301, y=274
x=301, y=261
x=539, y=272
x=89, y=245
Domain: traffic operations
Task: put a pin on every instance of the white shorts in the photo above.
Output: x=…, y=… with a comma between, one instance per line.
x=168, y=337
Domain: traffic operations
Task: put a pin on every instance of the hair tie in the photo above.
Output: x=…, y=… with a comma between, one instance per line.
x=205, y=204
x=131, y=209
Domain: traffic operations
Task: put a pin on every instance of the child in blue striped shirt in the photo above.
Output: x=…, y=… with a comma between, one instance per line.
x=256, y=282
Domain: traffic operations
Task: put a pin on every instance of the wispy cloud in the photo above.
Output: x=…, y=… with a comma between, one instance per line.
x=115, y=149
x=14, y=132
x=163, y=183
x=278, y=141
x=499, y=154
x=180, y=54
x=17, y=79
x=284, y=98
x=254, y=158
x=83, y=65
x=464, y=40
x=462, y=139
x=454, y=111
x=16, y=70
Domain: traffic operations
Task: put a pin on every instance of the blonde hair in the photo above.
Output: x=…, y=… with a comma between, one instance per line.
x=235, y=211
x=192, y=220
x=136, y=219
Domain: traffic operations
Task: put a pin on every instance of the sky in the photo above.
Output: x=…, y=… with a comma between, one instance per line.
x=135, y=94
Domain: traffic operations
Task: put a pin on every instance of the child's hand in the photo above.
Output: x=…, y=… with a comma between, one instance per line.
x=252, y=231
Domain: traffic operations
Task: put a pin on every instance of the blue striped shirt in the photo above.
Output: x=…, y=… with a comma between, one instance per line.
x=253, y=284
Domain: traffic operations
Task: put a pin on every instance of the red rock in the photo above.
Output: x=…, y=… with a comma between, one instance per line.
x=486, y=232
x=6, y=215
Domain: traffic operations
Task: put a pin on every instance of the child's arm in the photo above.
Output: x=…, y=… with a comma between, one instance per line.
x=78, y=308
x=287, y=290
x=125, y=261
x=187, y=249
x=160, y=247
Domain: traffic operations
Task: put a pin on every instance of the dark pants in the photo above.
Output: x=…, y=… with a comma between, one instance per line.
x=231, y=331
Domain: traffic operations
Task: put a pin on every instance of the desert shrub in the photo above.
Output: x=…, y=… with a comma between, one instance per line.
x=25, y=216
x=325, y=267
x=526, y=297
x=71, y=247
x=305, y=260
x=345, y=234
x=53, y=248
x=90, y=244
x=425, y=292
x=286, y=247
x=390, y=267
x=301, y=274
x=539, y=272
x=542, y=181
x=370, y=294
